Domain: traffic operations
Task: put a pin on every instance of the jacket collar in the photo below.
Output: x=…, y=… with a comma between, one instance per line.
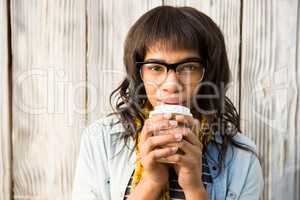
x=218, y=137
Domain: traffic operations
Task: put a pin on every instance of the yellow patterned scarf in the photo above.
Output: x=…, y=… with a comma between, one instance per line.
x=138, y=173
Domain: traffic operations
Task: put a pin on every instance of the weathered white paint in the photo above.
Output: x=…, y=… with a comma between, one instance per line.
x=5, y=129
x=108, y=24
x=48, y=44
x=67, y=58
x=270, y=91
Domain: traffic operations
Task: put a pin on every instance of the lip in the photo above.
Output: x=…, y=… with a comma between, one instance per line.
x=172, y=101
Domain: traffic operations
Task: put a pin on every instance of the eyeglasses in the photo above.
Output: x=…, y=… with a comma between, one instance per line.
x=188, y=71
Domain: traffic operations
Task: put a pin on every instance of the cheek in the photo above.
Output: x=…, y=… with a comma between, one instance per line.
x=190, y=91
x=151, y=92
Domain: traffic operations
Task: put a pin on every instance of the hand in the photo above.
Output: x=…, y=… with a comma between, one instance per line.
x=189, y=165
x=152, y=150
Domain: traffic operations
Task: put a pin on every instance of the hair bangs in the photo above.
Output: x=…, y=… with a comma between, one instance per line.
x=170, y=29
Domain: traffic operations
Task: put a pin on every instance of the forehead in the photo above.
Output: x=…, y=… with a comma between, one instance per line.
x=169, y=55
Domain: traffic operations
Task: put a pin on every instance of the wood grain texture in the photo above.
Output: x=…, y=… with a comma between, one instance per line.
x=67, y=58
x=270, y=92
x=5, y=129
x=108, y=24
x=296, y=123
x=48, y=44
x=226, y=14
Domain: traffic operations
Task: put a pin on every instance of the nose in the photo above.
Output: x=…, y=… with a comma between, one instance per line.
x=172, y=83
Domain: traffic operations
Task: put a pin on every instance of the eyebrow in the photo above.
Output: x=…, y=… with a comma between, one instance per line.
x=164, y=61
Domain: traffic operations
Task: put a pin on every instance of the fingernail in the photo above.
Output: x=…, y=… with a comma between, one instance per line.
x=179, y=117
x=174, y=149
x=178, y=136
x=185, y=133
x=167, y=116
x=173, y=122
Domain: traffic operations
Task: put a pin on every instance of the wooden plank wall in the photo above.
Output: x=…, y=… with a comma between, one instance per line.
x=107, y=29
x=67, y=58
x=5, y=119
x=270, y=91
x=49, y=80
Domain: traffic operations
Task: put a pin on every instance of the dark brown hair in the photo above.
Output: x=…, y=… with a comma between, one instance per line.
x=178, y=28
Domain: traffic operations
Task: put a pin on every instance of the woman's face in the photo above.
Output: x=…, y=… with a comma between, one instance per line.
x=171, y=90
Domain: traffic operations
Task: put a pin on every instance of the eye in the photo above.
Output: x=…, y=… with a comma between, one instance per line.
x=157, y=68
x=190, y=67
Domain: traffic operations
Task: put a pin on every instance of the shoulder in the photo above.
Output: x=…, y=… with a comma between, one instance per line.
x=103, y=127
x=240, y=151
x=245, y=159
x=239, y=138
x=245, y=141
x=99, y=134
x=105, y=135
x=243, y=150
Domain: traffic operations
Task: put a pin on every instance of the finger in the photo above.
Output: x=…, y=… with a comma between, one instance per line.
x=155, y=123
x=165, y=115
x=160, y=140
x=188, y=121
x=155, y=127
x=196, y=126
x=153, y=156
x=174, y=130
x=177, y=159
x=191, y=137
x=189, y=149
x=145, y=133
x=186, y=132
x=184, y=120
x=164, y=152
x=183, y=160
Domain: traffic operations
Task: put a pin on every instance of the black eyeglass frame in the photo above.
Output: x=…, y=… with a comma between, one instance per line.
x=173, y=66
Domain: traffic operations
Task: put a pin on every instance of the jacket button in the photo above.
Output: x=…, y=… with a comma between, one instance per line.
x=232, y=195
x=214, y=168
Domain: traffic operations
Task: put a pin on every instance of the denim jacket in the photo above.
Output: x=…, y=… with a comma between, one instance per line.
x=105, y=164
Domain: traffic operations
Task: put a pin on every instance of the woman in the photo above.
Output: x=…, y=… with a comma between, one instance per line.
x=173, y=55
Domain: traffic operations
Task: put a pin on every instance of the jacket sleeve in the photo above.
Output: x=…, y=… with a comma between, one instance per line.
x=253, y=187
x=91, y=169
